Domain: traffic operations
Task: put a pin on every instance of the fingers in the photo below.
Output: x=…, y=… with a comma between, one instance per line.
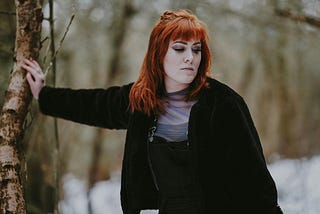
x=35, y=77
x=30, y=79
x=32, y=66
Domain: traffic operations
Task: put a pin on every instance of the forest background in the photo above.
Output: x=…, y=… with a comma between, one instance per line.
x=272, y=60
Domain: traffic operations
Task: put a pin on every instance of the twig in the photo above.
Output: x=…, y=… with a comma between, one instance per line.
x=46, y=55
x=43, y=40
x=7, y=13
x=60, y=43
x=56, y=131
x=64, y=35
x=52, y=42
x=311, y=20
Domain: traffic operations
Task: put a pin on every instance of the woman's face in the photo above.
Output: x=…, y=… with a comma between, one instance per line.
x=181, y=64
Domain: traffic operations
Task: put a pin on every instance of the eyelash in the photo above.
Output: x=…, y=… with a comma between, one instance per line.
x=197, y=50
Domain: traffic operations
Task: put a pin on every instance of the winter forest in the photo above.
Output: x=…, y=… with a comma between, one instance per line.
x=267, y=50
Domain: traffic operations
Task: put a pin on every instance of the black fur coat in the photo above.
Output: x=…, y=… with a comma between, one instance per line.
x=227, y=155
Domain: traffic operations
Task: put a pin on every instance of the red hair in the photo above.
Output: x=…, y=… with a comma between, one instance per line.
x=172, y=25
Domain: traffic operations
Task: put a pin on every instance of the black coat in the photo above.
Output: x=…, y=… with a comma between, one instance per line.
x=227, y=155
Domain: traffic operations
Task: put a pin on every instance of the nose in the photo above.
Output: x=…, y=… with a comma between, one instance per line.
x=188, y=57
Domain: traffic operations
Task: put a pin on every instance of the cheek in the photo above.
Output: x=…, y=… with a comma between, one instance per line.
x=166, y=65
x=198, y=61
x=169, y=62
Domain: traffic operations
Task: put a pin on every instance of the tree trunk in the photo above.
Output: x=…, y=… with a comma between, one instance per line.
x=120, y=29
x=15, y=107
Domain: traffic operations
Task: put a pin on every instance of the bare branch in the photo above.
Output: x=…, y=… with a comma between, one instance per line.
x=61, y=42
x=56, y=132
x=7, y=13
x=43, y=40
x=311, y=20
x=64, y=35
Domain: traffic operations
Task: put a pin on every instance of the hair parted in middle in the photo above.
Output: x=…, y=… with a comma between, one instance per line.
x=145, y=94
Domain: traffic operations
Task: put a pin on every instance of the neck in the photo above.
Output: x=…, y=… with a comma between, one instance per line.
x=175, y=88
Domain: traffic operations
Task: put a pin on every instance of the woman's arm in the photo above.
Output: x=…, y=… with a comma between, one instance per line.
x=97, y=107
x=107, y=108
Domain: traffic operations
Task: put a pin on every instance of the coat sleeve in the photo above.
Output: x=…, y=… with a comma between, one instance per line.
x=107, y=108
x=250, y=185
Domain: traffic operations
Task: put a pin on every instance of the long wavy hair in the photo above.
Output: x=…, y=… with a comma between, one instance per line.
x=145, y=94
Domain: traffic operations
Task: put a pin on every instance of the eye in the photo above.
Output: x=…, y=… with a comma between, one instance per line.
x=178, y=48
x=196, y=49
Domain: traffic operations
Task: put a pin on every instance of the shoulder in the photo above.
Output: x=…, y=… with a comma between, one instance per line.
x=221, y=92
x=125, y=88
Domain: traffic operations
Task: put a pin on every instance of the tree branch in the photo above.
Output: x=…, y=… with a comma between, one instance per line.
x=56, y=132
x=64, y=35
x=311, y=20
x=7, y=13
x=60, y=43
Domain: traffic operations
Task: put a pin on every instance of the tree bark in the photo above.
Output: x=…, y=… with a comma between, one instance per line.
x=15, y=107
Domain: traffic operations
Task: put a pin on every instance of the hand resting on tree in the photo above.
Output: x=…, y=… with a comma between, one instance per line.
x=35, y=76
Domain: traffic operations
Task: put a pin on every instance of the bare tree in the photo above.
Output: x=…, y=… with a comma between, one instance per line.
x=15, y=108
x=120, y=26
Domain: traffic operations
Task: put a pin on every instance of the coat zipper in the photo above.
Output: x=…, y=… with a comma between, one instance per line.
x=151, y=132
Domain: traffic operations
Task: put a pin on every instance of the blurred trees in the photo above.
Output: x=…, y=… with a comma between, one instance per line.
x=272, y=61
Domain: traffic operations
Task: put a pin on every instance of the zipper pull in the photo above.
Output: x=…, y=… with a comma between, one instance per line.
x=152, y=130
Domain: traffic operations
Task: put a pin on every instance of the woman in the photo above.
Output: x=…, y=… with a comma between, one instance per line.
x=191, y=145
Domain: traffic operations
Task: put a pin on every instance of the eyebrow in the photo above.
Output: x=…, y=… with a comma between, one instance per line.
x=185, y=43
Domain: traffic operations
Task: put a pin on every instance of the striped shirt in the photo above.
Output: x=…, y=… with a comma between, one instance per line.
x=172, y=125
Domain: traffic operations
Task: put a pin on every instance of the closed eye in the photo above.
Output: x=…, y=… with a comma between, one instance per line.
x=196, y=50
x=179, y=49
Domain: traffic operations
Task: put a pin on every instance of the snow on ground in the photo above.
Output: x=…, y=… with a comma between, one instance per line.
x=105, y=197
x=298, y=184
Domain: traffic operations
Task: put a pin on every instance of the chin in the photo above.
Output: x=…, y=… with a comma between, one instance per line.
x=189, y=79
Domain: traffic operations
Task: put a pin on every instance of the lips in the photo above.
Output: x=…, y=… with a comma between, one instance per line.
x=188, y=69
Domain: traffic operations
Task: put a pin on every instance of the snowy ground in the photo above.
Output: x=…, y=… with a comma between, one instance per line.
x=298, y=183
